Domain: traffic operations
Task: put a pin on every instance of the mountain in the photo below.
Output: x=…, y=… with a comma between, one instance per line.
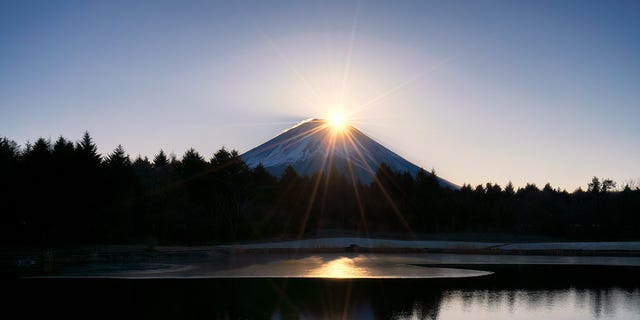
x=315, y=144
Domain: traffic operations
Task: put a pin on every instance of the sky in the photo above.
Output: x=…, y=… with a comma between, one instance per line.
x=481, y=91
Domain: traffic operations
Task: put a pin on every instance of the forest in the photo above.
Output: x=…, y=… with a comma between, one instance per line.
x=65, y=192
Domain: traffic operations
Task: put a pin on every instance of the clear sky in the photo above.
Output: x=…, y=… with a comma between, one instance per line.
x=539, y=91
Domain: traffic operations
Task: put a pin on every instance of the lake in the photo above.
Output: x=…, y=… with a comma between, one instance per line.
x=341, y=286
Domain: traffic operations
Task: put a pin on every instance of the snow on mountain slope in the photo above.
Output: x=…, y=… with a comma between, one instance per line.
x=314, y=145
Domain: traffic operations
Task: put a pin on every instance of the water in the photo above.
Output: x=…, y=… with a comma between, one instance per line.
x=350, y=266
x=324, y=288
x=568, y=303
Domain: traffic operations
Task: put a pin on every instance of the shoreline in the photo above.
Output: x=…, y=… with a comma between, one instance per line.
x=324, y=245
x=27, y=260
x=376, y=245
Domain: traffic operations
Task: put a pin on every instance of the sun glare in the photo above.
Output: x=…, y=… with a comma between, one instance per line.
x=340, y=268
x=338, y=122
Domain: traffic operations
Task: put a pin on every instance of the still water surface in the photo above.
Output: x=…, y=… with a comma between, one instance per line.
x=346, y=287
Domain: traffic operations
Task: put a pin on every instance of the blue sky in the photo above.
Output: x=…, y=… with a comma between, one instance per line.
x=539, y=91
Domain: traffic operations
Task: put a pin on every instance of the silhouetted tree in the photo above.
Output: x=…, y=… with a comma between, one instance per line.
x=607, y=185
x=509, y=190
x=118, y=159
x=9, y=153
x=594, y=185
x=66, y=194
x=192, y=163
x=160, y=160
x=289, y=175
x=63, y=151
x=11, y=220
x=88, y=151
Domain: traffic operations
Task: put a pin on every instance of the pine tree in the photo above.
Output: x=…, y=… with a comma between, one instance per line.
x=9, y=152
x=160, y=160
x=509, y=190
x=8, y=148
x=118, y=158
x=261, y=175
x=427, y=181
x=63, y=151
x=192, y=163
x=41, y=150
x=228, y=163
x=88, y=151
x=289, y=176
x=221, y=158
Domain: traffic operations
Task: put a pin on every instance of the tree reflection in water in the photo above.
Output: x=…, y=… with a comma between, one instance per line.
x=523, y=292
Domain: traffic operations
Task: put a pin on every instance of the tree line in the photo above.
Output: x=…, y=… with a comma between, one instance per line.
x=65, y=192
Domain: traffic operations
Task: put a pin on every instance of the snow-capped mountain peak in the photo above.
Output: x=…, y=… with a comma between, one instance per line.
x=315, y=145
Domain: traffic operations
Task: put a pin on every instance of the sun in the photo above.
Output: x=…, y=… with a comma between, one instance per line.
x=338, y=122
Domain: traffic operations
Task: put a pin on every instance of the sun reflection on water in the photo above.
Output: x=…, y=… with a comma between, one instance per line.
x=343, y=267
